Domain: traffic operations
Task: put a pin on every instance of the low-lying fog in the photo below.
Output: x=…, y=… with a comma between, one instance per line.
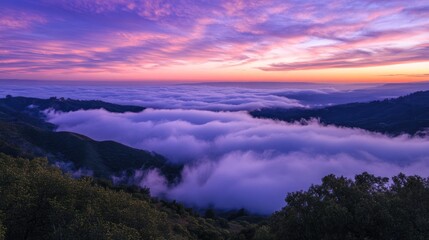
x=231, y=159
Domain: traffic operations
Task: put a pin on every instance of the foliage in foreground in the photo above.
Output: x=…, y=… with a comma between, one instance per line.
x=367, y=207
x=38, y=201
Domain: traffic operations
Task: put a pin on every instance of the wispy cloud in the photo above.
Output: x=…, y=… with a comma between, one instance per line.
x=11, y=20
x=82, y=36
x=359, y=58
x=423, y=75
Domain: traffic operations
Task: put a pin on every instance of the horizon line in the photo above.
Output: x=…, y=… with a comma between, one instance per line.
x=208, y=82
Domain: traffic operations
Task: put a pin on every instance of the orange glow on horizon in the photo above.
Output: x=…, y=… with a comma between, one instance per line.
x=222, y=41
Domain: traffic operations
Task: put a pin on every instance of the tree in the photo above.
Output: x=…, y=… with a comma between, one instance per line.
x=38, y=201
x=2, y=230
x=364, y=208
x=210, y=213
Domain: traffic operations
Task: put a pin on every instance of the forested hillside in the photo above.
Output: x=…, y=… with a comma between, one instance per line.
x=408, y=114
x=366, y=207
x=62, y=104
x=37, y=201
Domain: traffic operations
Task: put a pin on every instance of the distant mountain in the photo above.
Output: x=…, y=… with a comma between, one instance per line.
x=63, y=104
x=24, y=133
x=361, y=93
x=30, y=110
x=407, y=114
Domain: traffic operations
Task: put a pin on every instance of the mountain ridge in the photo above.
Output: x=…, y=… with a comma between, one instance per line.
x=408, y=114
x=25, y=133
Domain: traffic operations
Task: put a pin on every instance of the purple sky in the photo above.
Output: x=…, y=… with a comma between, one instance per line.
x=306, y=40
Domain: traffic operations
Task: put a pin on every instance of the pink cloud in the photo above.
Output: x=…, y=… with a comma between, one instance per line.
x=12, y=19
x=117, y=36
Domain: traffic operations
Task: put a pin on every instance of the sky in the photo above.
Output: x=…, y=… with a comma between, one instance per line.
x=215, y=40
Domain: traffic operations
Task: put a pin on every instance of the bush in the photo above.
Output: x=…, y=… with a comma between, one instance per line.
x=367, y=207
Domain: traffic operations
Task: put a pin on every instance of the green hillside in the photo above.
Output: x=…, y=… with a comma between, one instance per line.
x=366, y=207
x=103, y=158
x=408, y=114
x=37, y=201
x=24, y=133
x=28, y=104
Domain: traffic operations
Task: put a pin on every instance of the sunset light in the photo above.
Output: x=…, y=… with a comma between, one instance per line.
x=214, y=119
x=317, y=41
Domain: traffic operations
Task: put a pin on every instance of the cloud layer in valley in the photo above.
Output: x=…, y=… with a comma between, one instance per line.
x=232, y=160
x=162, y=96
x=213, y=96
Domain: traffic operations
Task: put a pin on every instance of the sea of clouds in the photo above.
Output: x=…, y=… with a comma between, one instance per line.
x=171, y=96
x=233, y=160
x=210, y=96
